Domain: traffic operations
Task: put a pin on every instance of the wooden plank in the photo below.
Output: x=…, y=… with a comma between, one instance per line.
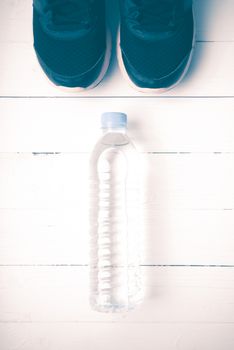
x=188, y=181
x=210, y=74
x=187, y=208
x=114, y=335
x=16, y=19
x=172, y=295
x=155, y=125
x=170, y=237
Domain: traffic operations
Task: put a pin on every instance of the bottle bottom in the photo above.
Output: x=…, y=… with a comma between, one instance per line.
x=104, y=304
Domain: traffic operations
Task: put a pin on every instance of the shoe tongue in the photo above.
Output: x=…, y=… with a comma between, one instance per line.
x=66, y=15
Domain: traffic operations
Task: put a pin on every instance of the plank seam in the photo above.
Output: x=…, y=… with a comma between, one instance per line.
x=143, y=265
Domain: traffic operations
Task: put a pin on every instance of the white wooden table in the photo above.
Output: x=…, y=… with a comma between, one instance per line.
x=186, y=141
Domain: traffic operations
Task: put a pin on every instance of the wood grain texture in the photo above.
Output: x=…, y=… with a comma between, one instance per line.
x=172, y=295
x=171, y=237
x=155, y=125
x=189, y=181
x=186, y=143
x=106, y=335
x=187, y=208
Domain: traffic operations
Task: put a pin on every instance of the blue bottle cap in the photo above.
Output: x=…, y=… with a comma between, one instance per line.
x=114, y=120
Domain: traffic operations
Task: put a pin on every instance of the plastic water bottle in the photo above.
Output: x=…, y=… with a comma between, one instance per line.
x=115, y=276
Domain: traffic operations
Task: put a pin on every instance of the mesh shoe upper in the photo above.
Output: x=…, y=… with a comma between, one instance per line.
x=156, y=37
x=69, y=36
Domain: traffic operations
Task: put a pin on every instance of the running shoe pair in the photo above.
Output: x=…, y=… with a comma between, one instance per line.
x=154, y=46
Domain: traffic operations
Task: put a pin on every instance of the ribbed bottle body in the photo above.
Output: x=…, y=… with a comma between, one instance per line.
x=115, y=276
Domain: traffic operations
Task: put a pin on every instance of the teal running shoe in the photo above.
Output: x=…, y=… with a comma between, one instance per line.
x=71, y=41
x=156, y=41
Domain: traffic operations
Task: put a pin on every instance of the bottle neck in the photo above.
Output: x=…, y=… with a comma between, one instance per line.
x=120, y=130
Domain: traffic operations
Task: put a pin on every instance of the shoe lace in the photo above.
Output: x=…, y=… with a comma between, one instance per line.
x=160, y=13
x=68, y=13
